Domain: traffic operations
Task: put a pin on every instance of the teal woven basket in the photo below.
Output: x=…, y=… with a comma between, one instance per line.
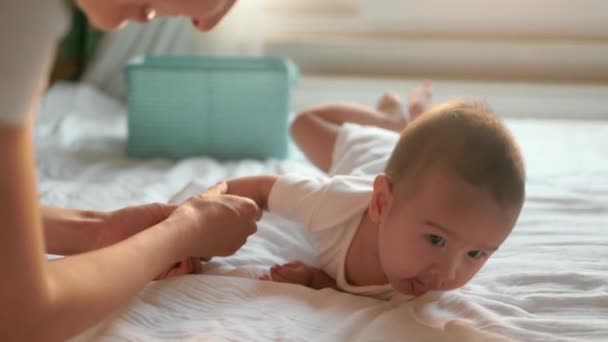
x=222, y=107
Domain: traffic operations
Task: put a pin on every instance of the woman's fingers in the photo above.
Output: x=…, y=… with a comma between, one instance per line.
x=220, y=188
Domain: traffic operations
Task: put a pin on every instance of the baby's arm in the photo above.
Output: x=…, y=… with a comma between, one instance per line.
x=256, y=187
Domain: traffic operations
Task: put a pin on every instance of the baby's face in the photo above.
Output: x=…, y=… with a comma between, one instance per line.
x=439, y=236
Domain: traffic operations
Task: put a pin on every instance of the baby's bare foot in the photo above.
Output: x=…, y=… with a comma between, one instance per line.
x=420, y=100
x=296, y=272
x=390, y=104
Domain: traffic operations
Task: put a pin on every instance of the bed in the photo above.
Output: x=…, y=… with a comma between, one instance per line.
x=549, y=281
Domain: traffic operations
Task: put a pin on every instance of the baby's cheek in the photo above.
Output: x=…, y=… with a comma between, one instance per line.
x=457, y=283
x=404, y=255
x=462, y=278
x=405, y=266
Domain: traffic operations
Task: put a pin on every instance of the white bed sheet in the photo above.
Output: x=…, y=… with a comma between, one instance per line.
x=549, y=281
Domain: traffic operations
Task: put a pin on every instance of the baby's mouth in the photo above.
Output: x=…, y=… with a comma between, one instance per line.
x=417, y=287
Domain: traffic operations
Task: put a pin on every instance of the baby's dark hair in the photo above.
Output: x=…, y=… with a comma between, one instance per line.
x=466, y=138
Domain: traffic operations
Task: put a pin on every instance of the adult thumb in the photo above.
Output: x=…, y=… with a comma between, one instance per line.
x=220, y=188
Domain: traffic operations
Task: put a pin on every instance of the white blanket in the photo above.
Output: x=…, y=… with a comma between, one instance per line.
x=549, y=281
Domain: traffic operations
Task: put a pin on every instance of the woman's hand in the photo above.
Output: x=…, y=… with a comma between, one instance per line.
x=123, y=223
x=70, y=231
x=229, y=220
x=120, y=224
x=218, y=224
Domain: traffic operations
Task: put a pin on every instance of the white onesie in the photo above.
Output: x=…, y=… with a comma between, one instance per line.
x=331, y=208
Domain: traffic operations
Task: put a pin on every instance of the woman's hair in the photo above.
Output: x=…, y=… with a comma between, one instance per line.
x=464, y=137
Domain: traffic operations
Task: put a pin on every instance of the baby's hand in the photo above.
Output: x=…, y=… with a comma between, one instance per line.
x=296, y=272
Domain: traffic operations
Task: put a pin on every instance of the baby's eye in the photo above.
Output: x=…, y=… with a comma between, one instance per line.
x=435, y=240
x=476, y=254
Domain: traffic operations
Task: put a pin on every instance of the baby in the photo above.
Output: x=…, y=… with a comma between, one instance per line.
x=413, y=212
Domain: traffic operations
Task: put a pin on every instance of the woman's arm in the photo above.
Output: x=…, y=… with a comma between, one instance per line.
x=50, y=301
x=69, y=231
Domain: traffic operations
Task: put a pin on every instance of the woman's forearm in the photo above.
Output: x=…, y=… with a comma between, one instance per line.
x=68, y=231
x=86, y=288
x=52, y=301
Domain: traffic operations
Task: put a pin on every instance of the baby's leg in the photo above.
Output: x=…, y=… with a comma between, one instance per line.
x=296, y=272
x=315, y=130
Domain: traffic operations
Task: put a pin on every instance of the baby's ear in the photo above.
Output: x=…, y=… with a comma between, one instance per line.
x=381, y=198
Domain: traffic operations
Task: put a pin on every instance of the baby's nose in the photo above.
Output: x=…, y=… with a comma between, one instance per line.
x=444, y=272
x=450, y=273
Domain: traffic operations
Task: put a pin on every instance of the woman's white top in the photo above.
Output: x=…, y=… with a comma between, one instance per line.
x=29, y=33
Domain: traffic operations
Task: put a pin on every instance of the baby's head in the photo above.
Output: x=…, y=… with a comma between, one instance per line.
x=450, y=195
